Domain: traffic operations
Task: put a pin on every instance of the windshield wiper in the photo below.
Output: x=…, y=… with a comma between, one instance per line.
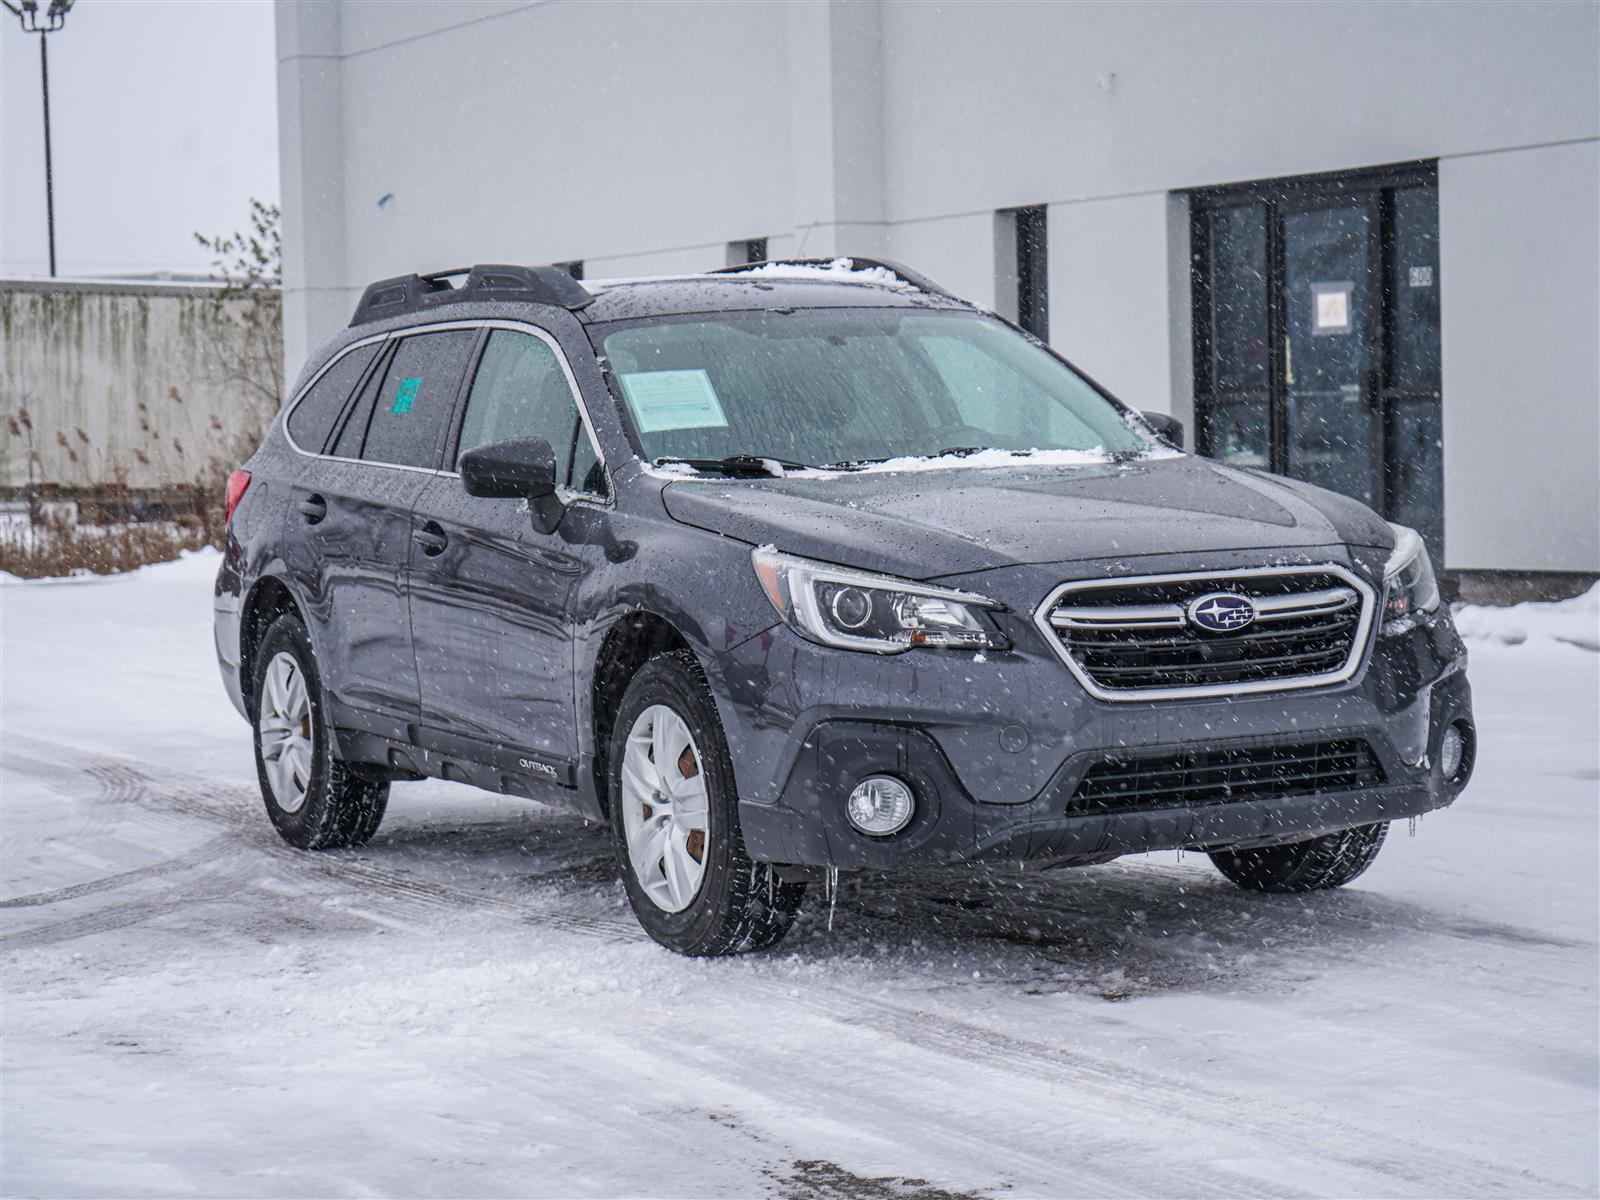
x=961, y=451
x=739, y=464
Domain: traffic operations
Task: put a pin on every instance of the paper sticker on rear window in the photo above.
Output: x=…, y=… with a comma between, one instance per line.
x=406, y=395
x=673, y=400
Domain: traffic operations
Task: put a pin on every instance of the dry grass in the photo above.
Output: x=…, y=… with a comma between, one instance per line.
x=53, y=547
x=111, y=535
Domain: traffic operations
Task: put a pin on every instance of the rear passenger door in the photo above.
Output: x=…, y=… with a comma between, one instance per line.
x=491, y=601
x=351, y=526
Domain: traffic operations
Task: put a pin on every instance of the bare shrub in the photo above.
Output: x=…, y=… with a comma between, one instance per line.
x=117, y=528
x=54, y=546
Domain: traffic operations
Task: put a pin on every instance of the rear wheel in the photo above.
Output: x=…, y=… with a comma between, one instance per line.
x=675, y=814
x=1322, y=862
x=314, y=800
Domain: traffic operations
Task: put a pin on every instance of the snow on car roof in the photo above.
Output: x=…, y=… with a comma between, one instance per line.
x=839, y=283
x=839, y=270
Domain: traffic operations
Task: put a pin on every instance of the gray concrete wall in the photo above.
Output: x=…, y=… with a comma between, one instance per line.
x=146, y=385
x=642, y=137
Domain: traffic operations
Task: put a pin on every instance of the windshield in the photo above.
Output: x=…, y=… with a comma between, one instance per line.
x=830, y=386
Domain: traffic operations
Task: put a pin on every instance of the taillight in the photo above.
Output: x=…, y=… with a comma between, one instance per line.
x=237, y=483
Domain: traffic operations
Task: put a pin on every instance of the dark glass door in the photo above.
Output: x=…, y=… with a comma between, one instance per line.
x=1317, y=336
x=1328, y=359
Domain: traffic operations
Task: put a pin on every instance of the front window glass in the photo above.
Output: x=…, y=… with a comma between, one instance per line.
x=521, y=391
x=826, y=386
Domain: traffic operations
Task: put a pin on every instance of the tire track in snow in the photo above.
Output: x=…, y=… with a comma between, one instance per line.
x=1211, y=920
x=118, y=916
x=1169, y=1097
x=125, y=783
x=1103, y=1083
x=205, y=852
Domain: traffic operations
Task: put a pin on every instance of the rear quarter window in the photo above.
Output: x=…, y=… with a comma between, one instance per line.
x=311, y=421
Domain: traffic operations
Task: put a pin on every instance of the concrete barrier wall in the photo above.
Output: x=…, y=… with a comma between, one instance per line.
x=147, y=385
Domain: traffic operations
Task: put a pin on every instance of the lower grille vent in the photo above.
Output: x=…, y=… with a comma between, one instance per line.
x=1200, y=777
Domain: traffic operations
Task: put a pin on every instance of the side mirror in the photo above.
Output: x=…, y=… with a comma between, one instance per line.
x=1166, y=425
x=519, y=469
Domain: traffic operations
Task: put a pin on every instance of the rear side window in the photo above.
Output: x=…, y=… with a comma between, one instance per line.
x=520, y=390
x=352, y=429
x=311, y=421
x=413, y=405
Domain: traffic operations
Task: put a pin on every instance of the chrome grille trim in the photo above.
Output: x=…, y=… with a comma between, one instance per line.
x=1055, y=619
x=1170, y=616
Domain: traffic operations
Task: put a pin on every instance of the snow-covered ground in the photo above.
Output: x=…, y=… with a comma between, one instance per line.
x=465, y=1007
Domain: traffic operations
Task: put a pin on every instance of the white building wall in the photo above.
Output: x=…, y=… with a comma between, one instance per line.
x=317, y=283
x=1520, y=265
x=1108, y=294
x=643, y=137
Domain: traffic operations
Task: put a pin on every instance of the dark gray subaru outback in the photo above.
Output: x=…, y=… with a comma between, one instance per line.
x=804, y=567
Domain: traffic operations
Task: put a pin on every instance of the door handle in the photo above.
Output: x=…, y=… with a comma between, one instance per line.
x=1369, y=390
x=314, y=508
x=431, y=538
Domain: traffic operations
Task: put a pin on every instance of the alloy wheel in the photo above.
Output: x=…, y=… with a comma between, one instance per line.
x=665, y=808
x=284, y=731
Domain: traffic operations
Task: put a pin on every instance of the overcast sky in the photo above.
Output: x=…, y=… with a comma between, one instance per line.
x=164, y=121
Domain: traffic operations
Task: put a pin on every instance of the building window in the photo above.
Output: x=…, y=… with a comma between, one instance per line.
x=747, y=250
x=573, y=268
x=1025, y=269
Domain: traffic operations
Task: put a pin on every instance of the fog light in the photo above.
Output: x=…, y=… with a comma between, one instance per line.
x=880, y=805
x=1452, y=747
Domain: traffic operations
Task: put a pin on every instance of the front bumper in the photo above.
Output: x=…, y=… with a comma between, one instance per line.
x=807, y=825
x=996, y=745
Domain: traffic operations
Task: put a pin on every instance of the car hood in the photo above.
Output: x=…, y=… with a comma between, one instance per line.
x=947, y=521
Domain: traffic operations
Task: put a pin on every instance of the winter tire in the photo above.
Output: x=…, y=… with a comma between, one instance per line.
x=314, y=800
x=1323, y=862
x=675, y=815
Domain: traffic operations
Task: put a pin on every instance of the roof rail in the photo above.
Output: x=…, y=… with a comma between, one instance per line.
x=413, y=293
x=904, y=274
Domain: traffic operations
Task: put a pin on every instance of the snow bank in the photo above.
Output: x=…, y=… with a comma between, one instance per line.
x=1575, y=621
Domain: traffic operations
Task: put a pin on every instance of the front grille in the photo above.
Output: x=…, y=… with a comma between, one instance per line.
x=1131, y=639
x=1128, y=783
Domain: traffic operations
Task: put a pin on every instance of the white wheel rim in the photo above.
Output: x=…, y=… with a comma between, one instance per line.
x=284, y=731
x=665, y=811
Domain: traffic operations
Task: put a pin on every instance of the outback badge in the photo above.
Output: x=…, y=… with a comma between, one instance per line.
x=1221, y=612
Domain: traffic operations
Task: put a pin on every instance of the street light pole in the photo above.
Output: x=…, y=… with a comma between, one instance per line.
x=55, y=16
x=49, y=173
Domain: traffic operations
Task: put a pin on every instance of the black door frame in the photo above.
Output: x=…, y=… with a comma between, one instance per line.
x=1279, y=197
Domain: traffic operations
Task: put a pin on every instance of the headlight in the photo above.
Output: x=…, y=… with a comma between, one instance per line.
x=857, y=611
x=1409, y=587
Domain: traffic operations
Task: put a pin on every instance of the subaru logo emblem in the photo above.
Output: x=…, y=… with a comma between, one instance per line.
x=1221, y=612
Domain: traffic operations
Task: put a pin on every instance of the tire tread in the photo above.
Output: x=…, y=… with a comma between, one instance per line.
x=1316, y=864
x=342, y=809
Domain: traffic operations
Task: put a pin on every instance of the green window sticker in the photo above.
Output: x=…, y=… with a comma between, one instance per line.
x=406, y=395
x=673, y=400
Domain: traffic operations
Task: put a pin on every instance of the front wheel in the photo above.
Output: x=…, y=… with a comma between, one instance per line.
x=675, y=816
x=1322, y=862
